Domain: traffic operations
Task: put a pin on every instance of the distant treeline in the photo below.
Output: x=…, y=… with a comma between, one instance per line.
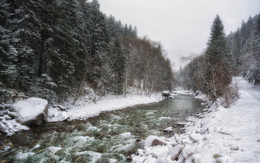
x=55, y=48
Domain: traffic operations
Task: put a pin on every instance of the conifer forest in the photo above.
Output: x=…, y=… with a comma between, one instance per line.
x=51, y=49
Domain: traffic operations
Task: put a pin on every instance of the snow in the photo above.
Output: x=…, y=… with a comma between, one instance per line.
x=168, y=129
x=166, y=92
x=10, y=127
x=107, y=103
x=180, y=90
x=30, y=108
x=222, y=135
x=8, y=124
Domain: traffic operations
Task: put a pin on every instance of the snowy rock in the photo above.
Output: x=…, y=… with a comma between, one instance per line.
x=219, y=160
x=154, y=141
x=140, y=152
x=159, y=151
x=175, y=152
x=217, y=155
x=138, y=140
x=157, y=142
x=204, y=130
x=235, y=148
x=128, y=158
x=183, y=130
x=54, y=114
x=32, y=111
x=174, y=140
x=166, y=94
x=195, y=137
x=168, y=129
x=181, y=124
x=195, y=158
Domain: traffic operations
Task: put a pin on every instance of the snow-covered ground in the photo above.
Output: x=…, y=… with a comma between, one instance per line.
x=107, y=103
x=222, y=136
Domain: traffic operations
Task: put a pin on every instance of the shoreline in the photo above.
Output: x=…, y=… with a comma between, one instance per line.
x=221, y=135
x=106, y=104
x=82, y=111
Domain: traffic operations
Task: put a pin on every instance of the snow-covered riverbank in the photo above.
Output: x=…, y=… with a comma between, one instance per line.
x=82, y=110
x=108, y=103
x=223, y=135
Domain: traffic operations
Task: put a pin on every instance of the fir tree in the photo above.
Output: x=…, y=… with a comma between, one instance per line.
x=97, y=43
x=119, y=63
x=8, y=53
x=218, y=74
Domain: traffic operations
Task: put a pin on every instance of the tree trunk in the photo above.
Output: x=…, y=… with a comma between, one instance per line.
x=79, y=91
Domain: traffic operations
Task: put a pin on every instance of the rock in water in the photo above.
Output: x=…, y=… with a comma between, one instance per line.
x=166, y=94
x=32, y=111
x=168, y=129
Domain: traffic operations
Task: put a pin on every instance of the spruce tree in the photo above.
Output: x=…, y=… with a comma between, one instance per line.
x=8, y=53
x=118, y=68
x=97, y=43
x=218, y=73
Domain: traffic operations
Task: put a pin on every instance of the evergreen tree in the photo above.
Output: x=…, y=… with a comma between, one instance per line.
x=218, y=75
x=114, y=28
x=25, y=25
x=8, y=53
x=236, y=49
x=98, y=42
x=119, y=63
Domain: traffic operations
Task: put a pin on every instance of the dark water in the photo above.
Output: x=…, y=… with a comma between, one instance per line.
x=111, y=137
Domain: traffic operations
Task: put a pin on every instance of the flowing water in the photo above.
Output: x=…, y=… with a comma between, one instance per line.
x=110, y=137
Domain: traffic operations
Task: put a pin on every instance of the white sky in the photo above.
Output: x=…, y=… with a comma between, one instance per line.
x=182, y=26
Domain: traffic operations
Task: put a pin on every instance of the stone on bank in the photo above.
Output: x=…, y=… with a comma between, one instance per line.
x=31, y=111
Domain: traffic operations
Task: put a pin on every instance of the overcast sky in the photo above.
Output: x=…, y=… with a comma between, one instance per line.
x=182, y=26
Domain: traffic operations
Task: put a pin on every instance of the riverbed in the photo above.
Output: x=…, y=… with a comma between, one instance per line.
x=110, y=137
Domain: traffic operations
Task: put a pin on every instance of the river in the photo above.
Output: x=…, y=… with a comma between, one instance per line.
x=110, y=137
